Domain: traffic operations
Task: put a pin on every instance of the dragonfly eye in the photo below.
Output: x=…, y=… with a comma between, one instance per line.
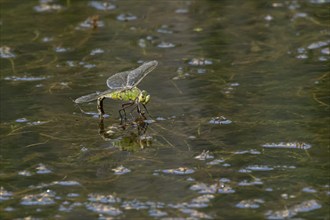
x=144, y=97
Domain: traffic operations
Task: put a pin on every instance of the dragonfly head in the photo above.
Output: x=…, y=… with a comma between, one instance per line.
x=144, y=97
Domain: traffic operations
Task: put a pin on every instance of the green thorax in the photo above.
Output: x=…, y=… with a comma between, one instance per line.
x=125, y=95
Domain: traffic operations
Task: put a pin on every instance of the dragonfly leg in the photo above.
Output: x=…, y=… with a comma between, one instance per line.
x=100, y=106
x=123, y=107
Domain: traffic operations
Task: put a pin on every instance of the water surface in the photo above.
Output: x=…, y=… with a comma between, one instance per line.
x=239, y=106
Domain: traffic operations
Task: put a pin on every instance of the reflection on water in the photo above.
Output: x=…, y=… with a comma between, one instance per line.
x=239, y=110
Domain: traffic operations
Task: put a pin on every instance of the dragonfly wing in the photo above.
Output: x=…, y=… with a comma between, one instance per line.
x=136, y=76
x=129, y=79
x=88, y=98
x=118, y=81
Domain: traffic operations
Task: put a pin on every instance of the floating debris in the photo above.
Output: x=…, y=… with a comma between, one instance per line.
x=181, y=74
x=4, y=194
x=251, y=151
x=259, y=168
x=95, y=197
x=306, y=206
x=103, y=209
x=164, y=29
x=204, y=156
x=200, y=62
x=256, y=181
x=226, y=190
x=102, y=6
x=179, y=171
x=126, y=17
x=201, y=201
x=61, y=49
x=194, y=214
x=268, y=18
x=47, y=6
x=134, y=204
x=220, y=121
x=6, y=52
x=318, y=44
x=96, y=51
x=299, y=145
x=21, y=120
x=250, y=204
x=42, y=169
x=166, y=45
x=326, y=51
x=215, y=162
x=121, y=170
x=157, y=213
x=24, y=173
x=309, y=190
x=203, y=188
x=44, y=198
x=181, y=11
x=92, y=22
x=66, y=183
x=25, y=78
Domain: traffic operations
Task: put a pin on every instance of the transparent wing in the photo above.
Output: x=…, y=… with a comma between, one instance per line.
x=92, y=97
x=129, y=79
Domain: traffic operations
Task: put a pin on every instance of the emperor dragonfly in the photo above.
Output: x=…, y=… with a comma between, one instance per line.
x=122, y=86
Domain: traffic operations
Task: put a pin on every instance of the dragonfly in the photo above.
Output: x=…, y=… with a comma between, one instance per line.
x=123, y=86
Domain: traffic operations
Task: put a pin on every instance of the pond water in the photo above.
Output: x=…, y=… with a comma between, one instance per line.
x=239, y=125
